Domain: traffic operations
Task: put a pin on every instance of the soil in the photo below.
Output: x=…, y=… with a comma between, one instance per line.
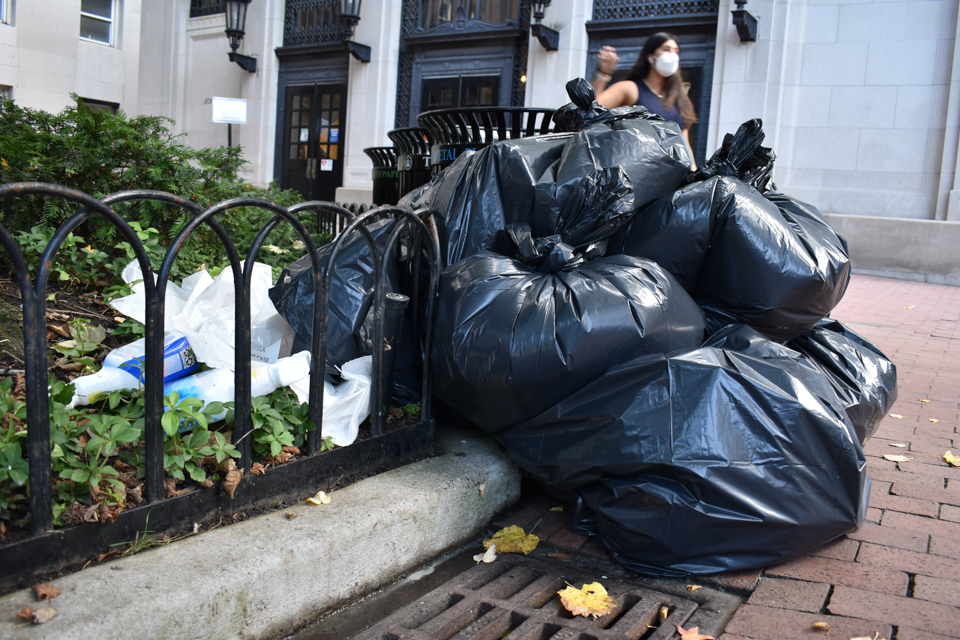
x=64, y=303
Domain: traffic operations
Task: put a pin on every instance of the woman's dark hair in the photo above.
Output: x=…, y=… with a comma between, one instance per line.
x=673, y=92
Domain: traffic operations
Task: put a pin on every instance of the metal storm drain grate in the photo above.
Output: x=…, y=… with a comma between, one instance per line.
x=516, y=599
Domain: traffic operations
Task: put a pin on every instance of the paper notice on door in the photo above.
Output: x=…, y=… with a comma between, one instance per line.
x=326, y=165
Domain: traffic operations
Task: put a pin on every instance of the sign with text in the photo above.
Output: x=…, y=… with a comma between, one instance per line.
x=230, y=110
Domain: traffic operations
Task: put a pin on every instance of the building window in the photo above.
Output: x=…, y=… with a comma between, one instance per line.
x=112, y=107
x=97, y=20
x=6, y=11
x=200, y=8
x=6, y=92
x=436, y=12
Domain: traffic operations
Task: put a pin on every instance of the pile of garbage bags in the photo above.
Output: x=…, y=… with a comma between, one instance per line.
x=649, y=342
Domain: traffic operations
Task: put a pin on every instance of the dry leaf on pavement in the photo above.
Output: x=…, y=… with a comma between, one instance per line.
x=489, y=556
x=896, y=415
x=556, y=508
x=692, y=634
x=822, y=627
x=898, y=446
x=664, y=614
x=38, y=616
x=924, y=400
x=45, y=591
x=692, y=587
x=321, y=498
x=513, y=540
x=934, y=420
x=897, y=458
x=482, y=488
x=952, y=460
x=591, y=600
x=910, y=307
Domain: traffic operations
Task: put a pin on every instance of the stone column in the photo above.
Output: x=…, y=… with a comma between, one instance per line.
x=549, y=71
x=371, y=97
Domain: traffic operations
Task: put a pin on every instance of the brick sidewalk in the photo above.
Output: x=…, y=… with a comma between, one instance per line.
x=898, y=576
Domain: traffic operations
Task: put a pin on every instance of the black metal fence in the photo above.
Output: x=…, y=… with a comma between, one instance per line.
x=330, y=218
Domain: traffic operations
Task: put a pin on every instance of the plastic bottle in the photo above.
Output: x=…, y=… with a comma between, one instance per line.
x=217, y=385
x=178, y=357
x=123, y=368
x=88, y=389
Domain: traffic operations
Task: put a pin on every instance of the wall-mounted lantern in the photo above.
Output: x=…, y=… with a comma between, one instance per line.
x=349, y=15
x=236, y=13
x=745, y=23
x=549, y=39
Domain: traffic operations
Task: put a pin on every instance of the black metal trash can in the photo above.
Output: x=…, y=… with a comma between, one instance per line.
x=386, y=188
x=413, y=157
x=457, y=130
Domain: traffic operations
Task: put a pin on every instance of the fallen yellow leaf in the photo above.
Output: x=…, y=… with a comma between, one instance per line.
x=910, y=307
x=556, y=508
x=692, y=634
x=952, y=460
x=591, y=600
x=692, y=587
x=320, y=498
x=489, y=556
x=896, y=458
x=664, y=614
x=896, y=415
x=482, y=488
x=934, y=420
x=513, y=540
x=822, y=627
x=923, y=400
x=898, y=446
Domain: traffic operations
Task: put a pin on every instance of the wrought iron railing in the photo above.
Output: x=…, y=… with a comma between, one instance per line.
x=309, y=22
x=199, y=8
x=624, y=9
x=43, y=548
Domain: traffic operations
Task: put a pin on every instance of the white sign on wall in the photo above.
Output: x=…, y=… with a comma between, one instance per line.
x=230, y=110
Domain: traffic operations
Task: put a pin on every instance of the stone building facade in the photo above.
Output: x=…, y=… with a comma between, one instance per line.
x=860, y=100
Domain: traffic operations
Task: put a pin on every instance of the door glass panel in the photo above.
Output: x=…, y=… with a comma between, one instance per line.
x=486, y=96
x=325, y=101
x=295, y=118
x=306, y=102
x=472, y=93
x=336, y=101
x=296, y=102
x=333, y=151
x=293, y=151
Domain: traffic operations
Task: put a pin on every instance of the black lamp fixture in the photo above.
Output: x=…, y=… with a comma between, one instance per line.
x=745, y=23
x=549, y=38
x=349, y=15
x=236, y=13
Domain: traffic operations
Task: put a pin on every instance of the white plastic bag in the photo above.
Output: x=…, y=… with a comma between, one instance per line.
x=202, y=309
x=345, y=405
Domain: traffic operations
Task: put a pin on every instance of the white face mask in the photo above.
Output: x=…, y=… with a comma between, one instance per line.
x=667, y=64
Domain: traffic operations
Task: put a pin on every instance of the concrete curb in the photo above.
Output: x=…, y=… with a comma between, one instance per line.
x=265, y=576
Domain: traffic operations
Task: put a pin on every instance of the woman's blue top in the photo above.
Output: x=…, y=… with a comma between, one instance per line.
x=653, y=104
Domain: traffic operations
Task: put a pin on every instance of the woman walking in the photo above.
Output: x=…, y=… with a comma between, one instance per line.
x=654, y=82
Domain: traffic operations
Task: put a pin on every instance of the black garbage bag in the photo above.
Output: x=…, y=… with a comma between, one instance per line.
x=863, y=377
x=530, y=180
x=766, y=260
x=733, y=456
x=513, y=338
x=741, y=156
x=351, y=303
